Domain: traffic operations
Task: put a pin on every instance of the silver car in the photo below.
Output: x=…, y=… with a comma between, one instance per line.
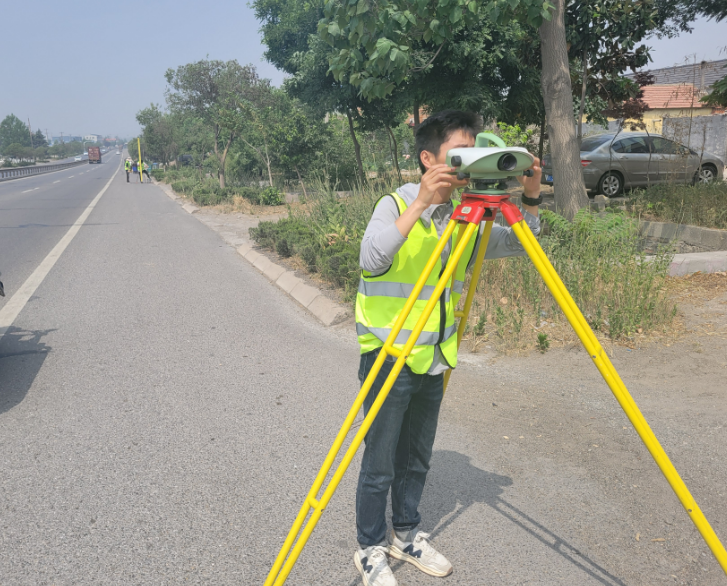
x=614, y=162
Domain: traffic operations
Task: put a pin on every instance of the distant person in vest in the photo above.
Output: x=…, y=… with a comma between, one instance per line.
x=404, y=230
x=127, y=168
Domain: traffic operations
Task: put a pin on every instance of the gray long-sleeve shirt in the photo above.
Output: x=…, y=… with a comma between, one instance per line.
x=382, y=240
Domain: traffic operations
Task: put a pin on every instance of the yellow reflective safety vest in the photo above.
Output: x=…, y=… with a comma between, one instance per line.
x=381, y=298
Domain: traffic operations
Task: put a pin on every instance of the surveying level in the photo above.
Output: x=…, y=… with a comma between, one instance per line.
x=488, y=167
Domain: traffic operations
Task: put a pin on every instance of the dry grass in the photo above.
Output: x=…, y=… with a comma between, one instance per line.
x=695, y=289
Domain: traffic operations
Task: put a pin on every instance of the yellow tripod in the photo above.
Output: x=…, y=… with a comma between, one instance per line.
x=475, y=207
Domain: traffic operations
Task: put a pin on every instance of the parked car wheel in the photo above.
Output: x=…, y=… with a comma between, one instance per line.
x=706, y=174
x=611, y=184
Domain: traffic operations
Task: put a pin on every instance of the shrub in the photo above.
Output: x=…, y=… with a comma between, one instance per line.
x=270, y=196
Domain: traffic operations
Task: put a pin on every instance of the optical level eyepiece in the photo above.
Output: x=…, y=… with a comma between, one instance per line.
x=456, y=161
x=507, y=162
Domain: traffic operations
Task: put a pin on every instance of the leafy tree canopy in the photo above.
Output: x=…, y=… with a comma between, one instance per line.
x=13, y=131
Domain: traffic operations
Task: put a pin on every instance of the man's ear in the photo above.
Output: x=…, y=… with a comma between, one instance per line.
x=428, y=159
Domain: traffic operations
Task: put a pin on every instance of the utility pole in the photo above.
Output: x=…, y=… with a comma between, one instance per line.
x=30, y=132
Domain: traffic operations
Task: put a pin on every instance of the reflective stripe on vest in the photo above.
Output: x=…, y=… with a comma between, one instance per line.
x=424, y=339
x=381, y=298
x=403, y=290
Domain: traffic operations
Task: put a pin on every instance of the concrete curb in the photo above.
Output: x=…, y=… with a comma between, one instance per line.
x=694, y=262
x=328, y=312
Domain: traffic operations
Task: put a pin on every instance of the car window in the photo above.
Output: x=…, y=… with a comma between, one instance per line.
x=632, y=145
x=591, y=143
x=663, y=146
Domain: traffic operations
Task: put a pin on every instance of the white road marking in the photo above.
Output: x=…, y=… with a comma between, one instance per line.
x=57, y=181
x=71, y=176
x=15, y=304
x=26, y=191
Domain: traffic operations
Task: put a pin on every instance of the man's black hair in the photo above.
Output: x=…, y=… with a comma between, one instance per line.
x=437, y=129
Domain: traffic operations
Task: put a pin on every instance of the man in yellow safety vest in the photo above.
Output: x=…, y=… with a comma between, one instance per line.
x=400, y=238
x=127, y=168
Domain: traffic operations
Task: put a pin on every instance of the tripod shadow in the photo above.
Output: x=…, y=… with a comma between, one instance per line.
x=22, y=354
x=454, y=485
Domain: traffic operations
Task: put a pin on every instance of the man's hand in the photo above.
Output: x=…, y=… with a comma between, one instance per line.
x=531, y=185
x=436, y=177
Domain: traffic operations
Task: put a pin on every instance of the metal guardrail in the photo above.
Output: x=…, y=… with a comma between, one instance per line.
x=18, y=172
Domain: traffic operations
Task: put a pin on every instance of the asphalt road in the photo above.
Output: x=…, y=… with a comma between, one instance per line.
x=164, y=409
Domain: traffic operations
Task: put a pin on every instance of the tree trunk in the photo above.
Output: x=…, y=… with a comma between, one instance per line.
x=267, y=162
x=300, y=179
x=582, y=106
x=220, y=159
x=541, y=143
x=356, y=147
x=394, y=152
x=570, y=190
x=417, y=122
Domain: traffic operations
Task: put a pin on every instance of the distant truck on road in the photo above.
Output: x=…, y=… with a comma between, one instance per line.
x=94, y=154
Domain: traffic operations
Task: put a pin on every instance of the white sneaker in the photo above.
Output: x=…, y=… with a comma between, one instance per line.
x=421, y=554
x=374, y=566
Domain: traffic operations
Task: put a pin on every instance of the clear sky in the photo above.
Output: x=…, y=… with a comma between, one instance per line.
x=87, y=67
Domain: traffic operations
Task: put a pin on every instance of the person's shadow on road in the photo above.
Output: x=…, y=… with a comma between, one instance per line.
x=454, y=485
x=22, y=354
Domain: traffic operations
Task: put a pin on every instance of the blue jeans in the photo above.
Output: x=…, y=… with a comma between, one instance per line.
x=398, y=450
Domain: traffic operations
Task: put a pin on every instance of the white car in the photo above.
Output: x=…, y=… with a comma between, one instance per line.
x=78, y=158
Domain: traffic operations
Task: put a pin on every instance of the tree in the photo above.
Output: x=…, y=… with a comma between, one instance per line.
x=289, y=30
x=39, y=140
x=377, y=48
x=13, y=131
x=214, y=91
x=297, y=137
x=602, y=37
x=160, y=133
x=555, y=80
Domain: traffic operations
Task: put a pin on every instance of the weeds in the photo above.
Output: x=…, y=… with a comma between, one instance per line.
x=617, y=288
x=543, y=342
x=699, y=205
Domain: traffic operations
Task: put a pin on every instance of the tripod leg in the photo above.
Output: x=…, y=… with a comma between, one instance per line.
x=474, y=280
x=627, y=403
x=282, y=567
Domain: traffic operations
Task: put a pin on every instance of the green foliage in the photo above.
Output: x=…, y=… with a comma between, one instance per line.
x=718, y=95
x=699, y=204
x=377, y=46
x=270, y=196
x=603, y=267
x=215, y=93
x=543, y=342
x=39, y=140
x=206, y=191
x=514, y=135
x=327, y=236
x=13, y=131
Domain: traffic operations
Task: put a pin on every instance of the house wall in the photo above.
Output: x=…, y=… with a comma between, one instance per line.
x=700, y=132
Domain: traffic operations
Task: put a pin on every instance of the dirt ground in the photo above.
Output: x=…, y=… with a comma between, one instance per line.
x=547, y=413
